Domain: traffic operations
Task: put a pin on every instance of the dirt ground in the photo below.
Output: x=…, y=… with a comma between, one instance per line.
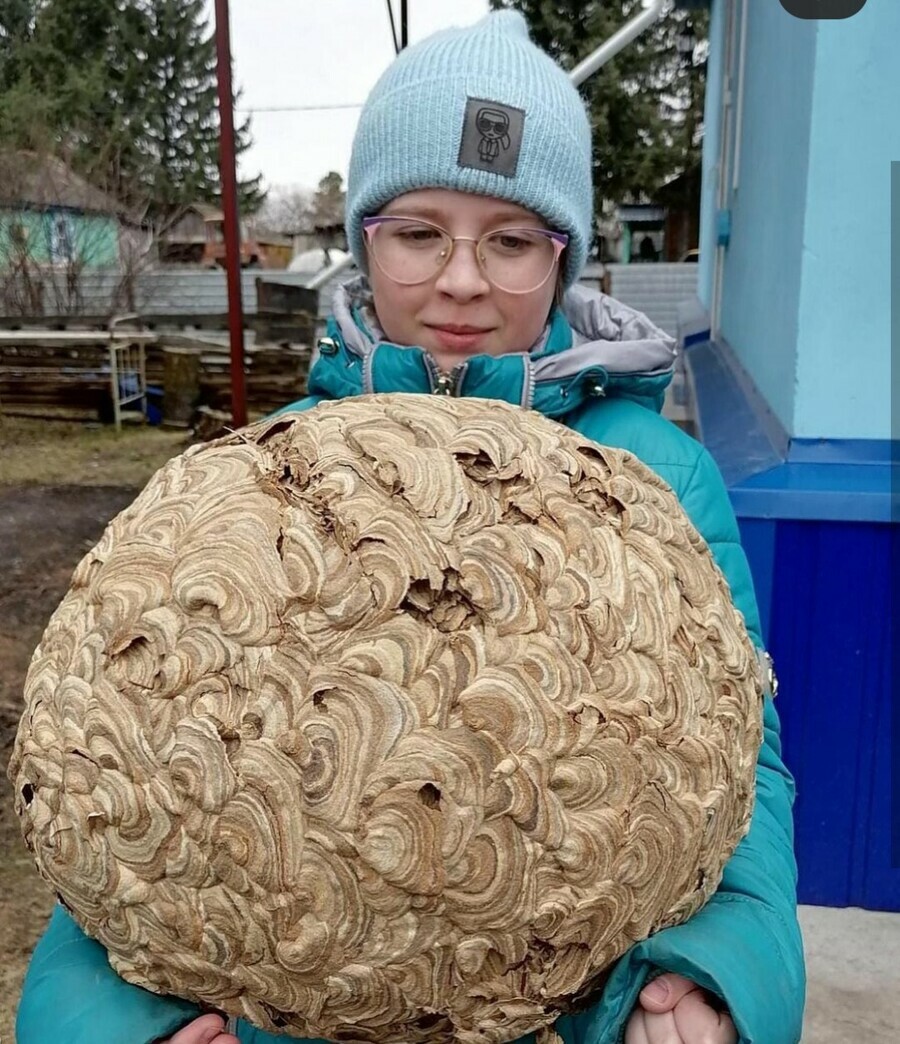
x=59, y=486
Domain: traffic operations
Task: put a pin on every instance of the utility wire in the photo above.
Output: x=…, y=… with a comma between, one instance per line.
x=390, y=8
x=299, y=108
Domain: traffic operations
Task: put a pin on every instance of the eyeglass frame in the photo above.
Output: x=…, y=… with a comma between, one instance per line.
x=560, y=241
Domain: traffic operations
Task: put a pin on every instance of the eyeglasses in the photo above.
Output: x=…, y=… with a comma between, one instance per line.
x=410, y=251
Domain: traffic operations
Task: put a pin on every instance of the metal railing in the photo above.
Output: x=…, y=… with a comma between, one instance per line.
x=127, y=365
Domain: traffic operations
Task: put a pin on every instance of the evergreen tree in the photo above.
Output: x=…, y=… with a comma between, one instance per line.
x=327, y=206
x=125, y=90
x=182, y=118
x=645, y=104
x=16, y=28
x=26, y=105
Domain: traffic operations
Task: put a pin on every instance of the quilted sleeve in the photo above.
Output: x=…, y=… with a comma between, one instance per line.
x=72, y=994
x=745, y=944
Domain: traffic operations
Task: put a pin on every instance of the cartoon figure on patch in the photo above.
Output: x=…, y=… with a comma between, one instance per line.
x=493, y=126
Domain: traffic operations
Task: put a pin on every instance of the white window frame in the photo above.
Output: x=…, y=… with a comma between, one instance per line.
x=62, y=237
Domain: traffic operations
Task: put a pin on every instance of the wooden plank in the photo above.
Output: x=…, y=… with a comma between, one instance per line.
x=299, y=326
x=93, y=323
x=75, y=338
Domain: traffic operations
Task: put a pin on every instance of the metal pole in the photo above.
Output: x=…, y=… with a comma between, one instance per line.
x=228, y=169
x=404, y=25
x=653, y=9
x=114, y=383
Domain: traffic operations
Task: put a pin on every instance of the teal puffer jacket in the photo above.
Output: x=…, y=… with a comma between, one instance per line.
x=602, y=369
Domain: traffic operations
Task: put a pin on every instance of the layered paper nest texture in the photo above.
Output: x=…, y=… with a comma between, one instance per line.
x=396, y=720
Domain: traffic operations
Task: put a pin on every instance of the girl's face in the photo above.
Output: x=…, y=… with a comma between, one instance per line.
x=457, y=313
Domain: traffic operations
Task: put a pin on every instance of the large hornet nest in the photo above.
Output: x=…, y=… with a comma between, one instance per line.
x=397, y=720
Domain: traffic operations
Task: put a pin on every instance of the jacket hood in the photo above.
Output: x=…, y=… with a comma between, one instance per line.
x=593, y=346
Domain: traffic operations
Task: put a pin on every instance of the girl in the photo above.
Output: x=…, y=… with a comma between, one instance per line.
x=469, y=210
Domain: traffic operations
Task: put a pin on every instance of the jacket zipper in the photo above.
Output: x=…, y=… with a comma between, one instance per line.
x=442, y=382
x=445, y=384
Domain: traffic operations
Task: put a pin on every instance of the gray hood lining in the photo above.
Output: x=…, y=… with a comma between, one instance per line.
x=626, y=340
x=606, y=333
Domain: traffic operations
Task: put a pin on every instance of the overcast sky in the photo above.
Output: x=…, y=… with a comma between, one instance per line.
x=317, y=52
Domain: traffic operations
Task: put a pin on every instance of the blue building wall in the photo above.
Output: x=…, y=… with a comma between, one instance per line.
x=843, y=377
x=761, y=272
x=806, y=272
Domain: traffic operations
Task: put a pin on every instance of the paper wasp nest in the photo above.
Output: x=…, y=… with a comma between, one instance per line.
x=398, y=720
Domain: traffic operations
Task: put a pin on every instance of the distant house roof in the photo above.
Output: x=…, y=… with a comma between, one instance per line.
x=30, y=180
x=207, y=211
x=629, y=212
x=187, y=223
x=681, y=190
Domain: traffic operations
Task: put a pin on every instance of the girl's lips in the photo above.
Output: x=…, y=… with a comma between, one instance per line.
x=459, y=338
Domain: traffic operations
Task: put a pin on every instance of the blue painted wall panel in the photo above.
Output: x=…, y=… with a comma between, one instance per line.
x=758, y=539
x=875, y=881
x=763, y=267
x=830, y=592
x=843, y=374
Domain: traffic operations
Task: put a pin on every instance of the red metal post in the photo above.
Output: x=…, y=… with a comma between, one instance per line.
x=228, y=170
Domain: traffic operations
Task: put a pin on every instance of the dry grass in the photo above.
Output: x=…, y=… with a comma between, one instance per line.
x=60, y=452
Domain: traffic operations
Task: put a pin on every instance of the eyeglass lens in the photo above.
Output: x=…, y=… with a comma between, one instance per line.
x=514, y=259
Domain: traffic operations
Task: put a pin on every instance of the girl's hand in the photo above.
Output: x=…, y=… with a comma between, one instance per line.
x=208, y=1029
x=674, y=1010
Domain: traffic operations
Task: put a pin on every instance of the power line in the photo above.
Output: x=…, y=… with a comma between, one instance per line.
x=390, y=8
x=298, y=108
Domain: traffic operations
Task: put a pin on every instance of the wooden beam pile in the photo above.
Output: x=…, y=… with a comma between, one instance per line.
x=273, y=377
x=52, y=378
x=42, y=378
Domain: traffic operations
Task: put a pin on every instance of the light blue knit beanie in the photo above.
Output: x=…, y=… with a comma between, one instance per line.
x=482, y=110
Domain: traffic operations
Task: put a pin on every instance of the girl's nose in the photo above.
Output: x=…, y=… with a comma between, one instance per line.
x=461, y=277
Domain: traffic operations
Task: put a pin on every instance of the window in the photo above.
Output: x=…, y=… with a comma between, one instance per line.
x=62, y=237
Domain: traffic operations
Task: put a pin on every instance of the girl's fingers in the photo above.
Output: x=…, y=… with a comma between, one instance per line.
x=635, y=1033
x=205, y=1030
x=699, y=1023
x=665, y=992
x=646, y=1028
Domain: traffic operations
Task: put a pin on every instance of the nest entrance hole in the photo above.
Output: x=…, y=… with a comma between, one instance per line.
x=430, y=796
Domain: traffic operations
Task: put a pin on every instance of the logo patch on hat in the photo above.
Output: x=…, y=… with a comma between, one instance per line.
x=491, y=137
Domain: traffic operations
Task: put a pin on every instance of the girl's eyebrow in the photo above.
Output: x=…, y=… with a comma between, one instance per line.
x=427, y=213
x=441, y=217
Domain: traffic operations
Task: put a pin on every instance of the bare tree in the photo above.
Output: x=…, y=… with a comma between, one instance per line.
x=286, y=211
